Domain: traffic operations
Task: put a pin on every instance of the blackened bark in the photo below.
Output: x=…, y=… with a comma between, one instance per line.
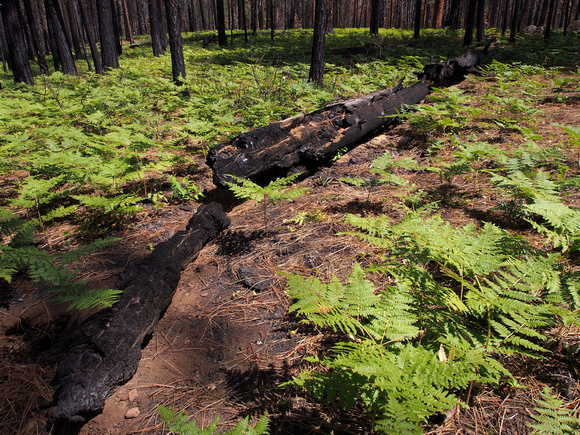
x=318, y=43
x=481, y=20
x=202, y=16
x=108, y=33
x=243, y=20
x=272, y=20
x=470, y=22
x=453, y=20
x=17, y=55
x=418, y=11
x=105, y=349
x=175, y=42
x=549, y=20
x=127, y=23
x=158, y=28
x=515, y=20
x=37, y=29
x=254, y=17
x=309, y=141
x=505, y=20
x=376, y=13
x=89, y=31
x=61, y=48
x=220, y=17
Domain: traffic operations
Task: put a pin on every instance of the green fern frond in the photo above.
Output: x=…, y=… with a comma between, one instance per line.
x=85, y=299
x=179, y=423
x=82, y=251
x=553, y=417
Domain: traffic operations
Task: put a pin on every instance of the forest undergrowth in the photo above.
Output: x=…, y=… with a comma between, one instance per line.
x=463, y=231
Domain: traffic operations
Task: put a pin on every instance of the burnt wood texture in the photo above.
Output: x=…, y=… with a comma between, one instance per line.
x=104, y=351
x=308, y=141
x=305, y=142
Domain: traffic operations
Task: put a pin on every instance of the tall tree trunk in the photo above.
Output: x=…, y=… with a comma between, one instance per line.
x=418, y=10
x=17, y=55
x=375, y=14
x=515, y=21
x=549, y=20
x=220, y=17
x=272, y=20
x=318, y=43
x=254, y=17
x=127, y=23
x=437, y=20
x=505, y=19
x=480, y=20
x=244, y=21
x=158, y=28
x=454, y=17
x=61, y=47
x=37, y=27
x=108, y=33
x=175, y=43
x=89, y=30
x=202, y=16
x=470, y=22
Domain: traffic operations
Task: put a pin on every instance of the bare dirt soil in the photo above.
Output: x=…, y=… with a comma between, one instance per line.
x=226, y=342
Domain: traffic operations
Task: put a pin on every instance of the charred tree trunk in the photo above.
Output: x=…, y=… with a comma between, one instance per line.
x=318, y=44
x=417, y=22
x=109, y=36
x=158, y=28
x=92, y=39
x=105, y=349
x=16, y=46
x=61, y=48
x=175, y=42
x=470, y=22
x=307, y=142
x=220, y=16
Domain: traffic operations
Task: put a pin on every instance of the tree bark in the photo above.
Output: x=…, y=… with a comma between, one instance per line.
x=417, y=26
x=158, y=26
x=480, y=20
x=108, y=33
x=104, y=351
x=470, y=22
x=318, y=43
x=89, y=30
x=17, y=50
x=61, y=48
x=220, y=17
x=175, y=42
x=515, y=21
x=549, y=20
x=375, y=16
x=308, y=141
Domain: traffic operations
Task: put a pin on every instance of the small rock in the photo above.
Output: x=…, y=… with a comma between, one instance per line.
x=253, y=278
x=133, y=394
x=132, y=413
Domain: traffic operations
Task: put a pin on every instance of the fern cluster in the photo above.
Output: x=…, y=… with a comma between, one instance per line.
x=461, y=296
x=179, y=423
x=19, y=255
x=273, y=194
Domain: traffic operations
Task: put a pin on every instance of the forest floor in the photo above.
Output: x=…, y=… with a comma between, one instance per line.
x=227, y=341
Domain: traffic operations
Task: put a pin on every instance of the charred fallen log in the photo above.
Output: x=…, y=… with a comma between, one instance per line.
x=309, y=141
x=454, y=71
x=106, y=348
x=305, y=142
